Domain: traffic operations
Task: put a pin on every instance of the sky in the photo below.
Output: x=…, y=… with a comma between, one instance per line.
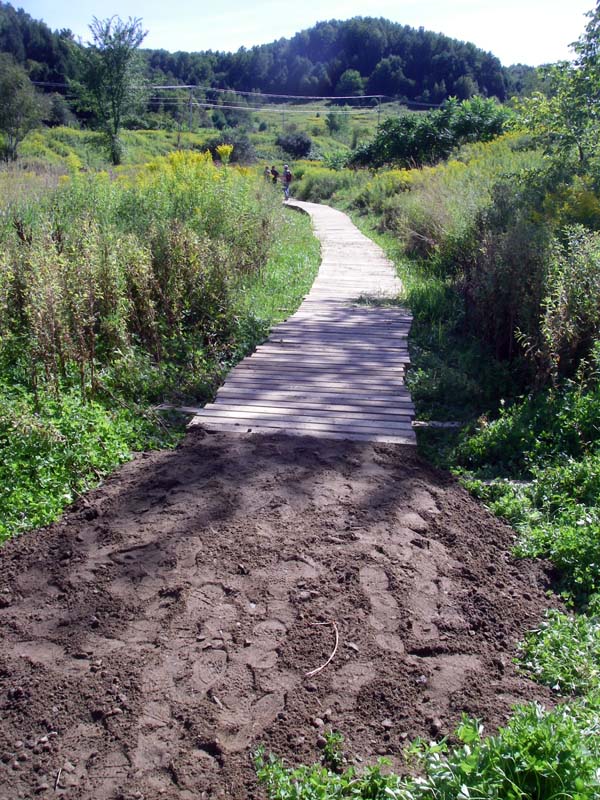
x=517, y=31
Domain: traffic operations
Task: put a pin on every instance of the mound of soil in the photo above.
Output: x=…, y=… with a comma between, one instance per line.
x=169, y=623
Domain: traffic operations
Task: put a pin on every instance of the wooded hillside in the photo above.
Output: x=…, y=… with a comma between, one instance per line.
x=359, y=55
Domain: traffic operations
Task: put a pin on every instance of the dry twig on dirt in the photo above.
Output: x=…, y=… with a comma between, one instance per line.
x=330, y=659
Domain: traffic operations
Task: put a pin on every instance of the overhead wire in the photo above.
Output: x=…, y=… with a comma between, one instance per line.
x=382, y=101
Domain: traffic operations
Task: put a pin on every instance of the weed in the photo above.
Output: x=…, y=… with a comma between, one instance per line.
x=119, y=293
x=333, y=754
x=539, y=755
x=564, y=651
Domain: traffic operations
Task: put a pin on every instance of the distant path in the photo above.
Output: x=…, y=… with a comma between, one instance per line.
x=334, y=369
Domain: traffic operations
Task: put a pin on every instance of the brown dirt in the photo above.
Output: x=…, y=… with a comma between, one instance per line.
x=160, y=631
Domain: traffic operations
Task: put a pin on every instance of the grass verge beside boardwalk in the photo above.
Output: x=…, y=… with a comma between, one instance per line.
x=106, y=313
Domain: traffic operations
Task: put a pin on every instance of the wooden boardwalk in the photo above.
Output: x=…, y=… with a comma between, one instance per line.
x=334, y=369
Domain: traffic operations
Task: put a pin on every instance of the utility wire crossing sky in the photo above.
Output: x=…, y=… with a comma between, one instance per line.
x=517, y=31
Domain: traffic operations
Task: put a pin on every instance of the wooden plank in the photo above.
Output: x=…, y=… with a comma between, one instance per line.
x=331, y=346
x=398, y=413
x=303, y=383
x=306, y=379
x=336, y=367
x=343, y=412
x=308, y=423
x=363, y=399
x=285, y=367
x=329, y=359
x=350, y=396
x=404, y=439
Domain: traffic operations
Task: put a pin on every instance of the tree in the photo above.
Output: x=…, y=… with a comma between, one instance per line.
x=350, y=84
x=564, y=119
x=20, y=109
x=567, y=115
x=417, y=139
x=58, y=111
x=336, y=122
x=112, y=83
x=296, y=144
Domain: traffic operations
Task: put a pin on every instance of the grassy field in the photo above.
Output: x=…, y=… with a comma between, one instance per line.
x=332, y=129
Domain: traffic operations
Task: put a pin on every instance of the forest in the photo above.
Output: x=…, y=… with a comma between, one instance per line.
x=363, y=55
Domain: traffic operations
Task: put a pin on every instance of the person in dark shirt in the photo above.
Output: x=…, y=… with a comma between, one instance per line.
x=287, y=179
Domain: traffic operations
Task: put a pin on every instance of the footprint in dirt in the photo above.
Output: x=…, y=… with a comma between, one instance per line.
x=385, y=614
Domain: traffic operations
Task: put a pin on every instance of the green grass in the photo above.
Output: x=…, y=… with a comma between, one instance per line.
x=272, y=294
x=57, y=448
x=549, y=443
x=72, y=148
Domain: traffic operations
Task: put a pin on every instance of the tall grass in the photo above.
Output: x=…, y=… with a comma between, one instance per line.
x=118, y=292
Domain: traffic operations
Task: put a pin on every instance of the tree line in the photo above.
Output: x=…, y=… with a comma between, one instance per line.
x=356, y=56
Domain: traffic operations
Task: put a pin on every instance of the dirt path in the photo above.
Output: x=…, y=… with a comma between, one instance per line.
x=164, y=628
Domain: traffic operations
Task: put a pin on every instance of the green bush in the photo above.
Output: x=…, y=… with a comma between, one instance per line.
x=564, y=651
x=570, y=315
x=296, y=144
x=117, y=293
x=54, y=449
x=551, y=440
x=320, y=183
x=417, y=139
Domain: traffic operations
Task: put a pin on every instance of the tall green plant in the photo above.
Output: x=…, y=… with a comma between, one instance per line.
x=20, y=108
x=566, y=116
x=412, y=140
x=111, y=76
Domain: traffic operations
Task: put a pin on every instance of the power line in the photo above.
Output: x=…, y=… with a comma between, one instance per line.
x=268, y=94
x=184, y=101
x=267, y=110
x=297, y=97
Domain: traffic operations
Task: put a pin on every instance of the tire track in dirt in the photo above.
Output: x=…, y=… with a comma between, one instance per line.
x=160, y=631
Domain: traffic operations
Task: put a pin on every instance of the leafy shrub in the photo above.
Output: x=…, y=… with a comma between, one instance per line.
x=413, y=140
x=120, y=292
x=321, y=183
x=503, y=267
x=550, y=439
x=297, y=144
x=538, y=755
x=571, y=322
x=550, y=426
x=564, y=651
x=53, y=449
x=243, y=149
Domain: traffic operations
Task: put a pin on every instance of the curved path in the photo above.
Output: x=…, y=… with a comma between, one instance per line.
x=334, y=369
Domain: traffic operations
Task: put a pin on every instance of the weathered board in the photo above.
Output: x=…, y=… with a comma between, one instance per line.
x=335, y=368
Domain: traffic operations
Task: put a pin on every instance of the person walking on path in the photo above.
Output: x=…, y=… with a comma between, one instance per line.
x=274, y=174
x=287, y=179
